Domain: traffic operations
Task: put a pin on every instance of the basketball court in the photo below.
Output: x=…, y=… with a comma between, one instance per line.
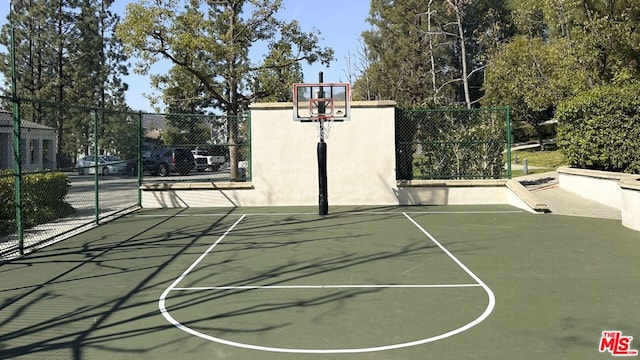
x=438, y=282
x=338, y=282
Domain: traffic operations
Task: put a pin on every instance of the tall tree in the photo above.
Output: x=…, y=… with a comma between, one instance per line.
x=396, y=49
x=604, y=34
x=272, y=82
x=358, y=74
x=437, y=42
x=211, y=41
x=66, y=54
x=565, y=47
x=457, y=7
x=533, y=76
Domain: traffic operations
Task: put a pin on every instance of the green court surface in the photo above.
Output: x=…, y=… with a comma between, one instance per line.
x=437, y=282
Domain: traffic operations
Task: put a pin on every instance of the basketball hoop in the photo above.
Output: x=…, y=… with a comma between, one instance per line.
x=323, y=125
x=323, y=104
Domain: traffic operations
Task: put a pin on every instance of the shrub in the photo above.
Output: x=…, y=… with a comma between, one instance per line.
x=42, y=199
x=523, y=131
x=600, y=129
x=7, y=205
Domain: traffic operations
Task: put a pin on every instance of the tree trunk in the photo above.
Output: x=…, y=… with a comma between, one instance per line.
x=431, y=58
x=463, y=51
x=232, y=127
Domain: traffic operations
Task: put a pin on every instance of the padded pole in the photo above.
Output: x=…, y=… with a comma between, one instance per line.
x=323, y=204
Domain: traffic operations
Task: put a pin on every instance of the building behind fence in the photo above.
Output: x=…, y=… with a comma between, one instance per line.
x=38, y=144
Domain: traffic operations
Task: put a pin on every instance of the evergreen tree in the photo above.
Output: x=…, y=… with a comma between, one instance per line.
x=431, y=52
x=67, y=55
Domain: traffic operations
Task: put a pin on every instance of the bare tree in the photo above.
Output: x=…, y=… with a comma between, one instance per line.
x=457, y=6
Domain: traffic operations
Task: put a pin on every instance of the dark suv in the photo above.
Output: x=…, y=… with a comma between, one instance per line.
x=166, y=160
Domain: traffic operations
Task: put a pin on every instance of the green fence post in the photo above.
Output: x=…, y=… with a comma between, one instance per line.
x=96, y=168
x=17, y=164
x=508, y=120
x=139, y=161
x=249, y=169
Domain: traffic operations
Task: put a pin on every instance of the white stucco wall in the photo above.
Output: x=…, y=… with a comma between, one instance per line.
x=618, y=190
x=600, y=186
x=360, y=156
x=630, y=204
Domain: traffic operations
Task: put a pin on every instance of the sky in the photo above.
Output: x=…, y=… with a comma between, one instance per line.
x=340, y=23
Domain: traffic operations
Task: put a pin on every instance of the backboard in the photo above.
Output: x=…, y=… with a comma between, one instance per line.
x=321, y=102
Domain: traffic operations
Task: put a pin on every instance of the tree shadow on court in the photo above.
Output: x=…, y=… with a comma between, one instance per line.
x=96, y=294
x=51, y=313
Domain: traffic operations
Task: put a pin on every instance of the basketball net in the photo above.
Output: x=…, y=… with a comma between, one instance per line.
x=323, y=127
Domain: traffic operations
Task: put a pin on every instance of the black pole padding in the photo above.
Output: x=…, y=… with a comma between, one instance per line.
x=323, y=204
x=323, y=201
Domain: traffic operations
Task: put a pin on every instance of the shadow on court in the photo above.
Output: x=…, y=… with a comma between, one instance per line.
x=55, y=300
x=559, y=282
x=101, y=288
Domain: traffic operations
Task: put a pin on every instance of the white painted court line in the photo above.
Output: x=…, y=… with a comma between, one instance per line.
x=163, y=297
x=479, y=319
x=224, y=215
x=455, y=259
x=285, y=287
x=461, y=212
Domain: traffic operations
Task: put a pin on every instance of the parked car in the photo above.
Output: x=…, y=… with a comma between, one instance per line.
x=165, y=160
x=200, y=162
x=206, y=161
x=107, y=164
x=148, y=166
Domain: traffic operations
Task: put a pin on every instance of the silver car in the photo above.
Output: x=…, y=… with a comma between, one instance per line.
x=107, y=164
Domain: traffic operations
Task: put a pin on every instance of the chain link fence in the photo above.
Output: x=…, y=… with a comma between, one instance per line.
x=453, y=144
x=65, y=168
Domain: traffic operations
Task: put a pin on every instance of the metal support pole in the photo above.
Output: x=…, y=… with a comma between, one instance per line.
x=96, y=168
x=17, y=158
x=323, y=203
x=508, y=134
x=139, y=162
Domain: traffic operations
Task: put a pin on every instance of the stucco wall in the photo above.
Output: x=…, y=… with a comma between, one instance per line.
x=600, y=186
x=618, y=190
x=360, y=156
x=630, y=202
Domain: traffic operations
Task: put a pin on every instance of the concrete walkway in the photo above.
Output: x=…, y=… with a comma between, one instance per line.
x=545, y=188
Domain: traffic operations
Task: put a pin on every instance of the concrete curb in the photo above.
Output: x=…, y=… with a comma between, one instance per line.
x=525, y=195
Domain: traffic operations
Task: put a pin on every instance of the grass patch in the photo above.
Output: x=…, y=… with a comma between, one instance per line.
x=516, y=173
x=548, y=160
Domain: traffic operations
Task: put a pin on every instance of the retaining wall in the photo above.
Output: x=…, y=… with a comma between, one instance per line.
x=621, y=191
